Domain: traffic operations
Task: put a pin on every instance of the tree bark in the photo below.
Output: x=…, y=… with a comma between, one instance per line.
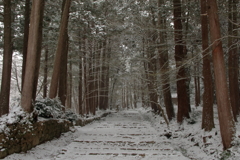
x=7, y=60
x=86, y=76
x=45, y=73
x=145, y=95
x=38, y=58
x=135, y=97
x=98, y=69
x=80, y=81
x=233, y=59
x=164, y=64
x=152, y=64
x=104, y=70
x=180, y=55
x=91, y=81
x=152, y=76
x=197, y=83
x=226, y=121
x=95, y=76
x=107, y=75
x=185, y=21
x=62, y=88
x=25, y=38
x=60, y=48
x=207, y=114
x=70, y=84
x=62, y=83
x=28, y=87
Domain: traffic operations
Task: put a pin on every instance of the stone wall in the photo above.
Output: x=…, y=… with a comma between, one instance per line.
x=19, y=137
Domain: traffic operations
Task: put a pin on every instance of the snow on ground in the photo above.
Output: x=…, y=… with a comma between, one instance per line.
x=136, y=135
x=47, y=150
x=123, y=135
x=189, y=137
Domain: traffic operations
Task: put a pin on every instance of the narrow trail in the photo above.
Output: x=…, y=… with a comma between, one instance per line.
x=124, y=135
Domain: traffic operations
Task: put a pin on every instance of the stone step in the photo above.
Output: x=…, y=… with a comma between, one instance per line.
x=120, y=136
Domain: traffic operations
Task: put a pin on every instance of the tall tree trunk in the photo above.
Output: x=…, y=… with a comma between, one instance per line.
x=33, y=46
x=25, y=38
x=207, y=114
x=62, y=83
x=180, y=55
x=196, y=68
x=103, y=83
x=236, y=55
x=38, y=58
x=123, y=97
x=98, y=63
x=105, y=75
x=60, y=48
x=7, y=60
x=127, y=96
x=130, y=95
x=93, y=77
x=197, y=83
x=96, y=72
x=62, y=88
x=80, y=81
x=185, y=21
x=86, y=76
x=152, y=64
x=164, y=64
x=135, y=96
x=145, y=77
x=45, y=81
x=70, y=85
x=80, y=87
x=226, y=120
x=91, y=81
x=152, y=77
x=233, y=59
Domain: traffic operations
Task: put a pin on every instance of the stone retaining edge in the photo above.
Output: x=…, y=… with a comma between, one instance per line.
x=20, y=137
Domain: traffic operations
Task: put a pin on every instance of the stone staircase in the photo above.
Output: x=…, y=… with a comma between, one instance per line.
x=121, y=136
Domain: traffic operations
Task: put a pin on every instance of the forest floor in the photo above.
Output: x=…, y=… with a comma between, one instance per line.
x=134, y=135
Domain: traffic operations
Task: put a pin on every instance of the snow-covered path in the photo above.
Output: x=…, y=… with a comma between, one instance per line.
x=126, y=135
x=123, y=135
